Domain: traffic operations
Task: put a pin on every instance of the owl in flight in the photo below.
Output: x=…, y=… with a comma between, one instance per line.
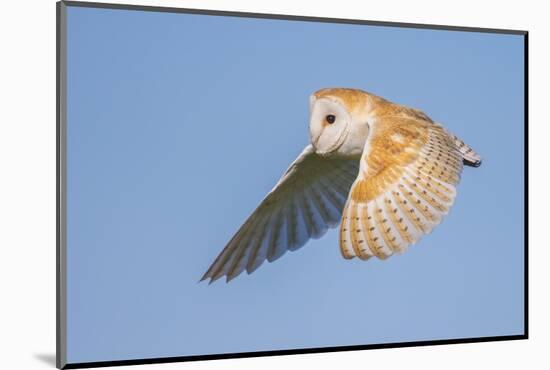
x=385, y=172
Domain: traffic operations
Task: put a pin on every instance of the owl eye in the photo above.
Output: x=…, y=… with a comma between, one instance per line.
x=330, y=118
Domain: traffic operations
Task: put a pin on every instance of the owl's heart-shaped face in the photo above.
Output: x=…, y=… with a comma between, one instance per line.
x=338, y=125
x=329, y=125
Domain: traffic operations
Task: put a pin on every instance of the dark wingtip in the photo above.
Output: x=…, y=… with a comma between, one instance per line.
x=472, y=164
x=205, y=277
x=212, y=278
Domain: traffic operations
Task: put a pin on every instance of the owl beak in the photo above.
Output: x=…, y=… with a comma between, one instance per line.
x=314, y=140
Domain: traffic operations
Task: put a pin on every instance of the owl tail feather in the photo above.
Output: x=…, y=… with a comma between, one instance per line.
x=469, y=156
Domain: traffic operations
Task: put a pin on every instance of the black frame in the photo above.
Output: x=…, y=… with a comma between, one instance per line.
x=61, y=355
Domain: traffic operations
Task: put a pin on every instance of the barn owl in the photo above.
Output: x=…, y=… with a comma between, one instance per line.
x=385, y=172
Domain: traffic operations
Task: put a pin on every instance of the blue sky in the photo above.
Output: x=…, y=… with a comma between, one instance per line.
x=178, y=125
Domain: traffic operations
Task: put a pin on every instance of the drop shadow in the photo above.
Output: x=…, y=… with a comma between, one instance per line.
x=47, y=358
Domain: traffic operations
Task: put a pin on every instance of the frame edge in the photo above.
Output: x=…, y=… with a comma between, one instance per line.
x=61, y=217
x=289, y=17
x=526, y=182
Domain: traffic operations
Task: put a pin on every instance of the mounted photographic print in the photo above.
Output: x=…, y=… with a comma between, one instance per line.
x=237, y=184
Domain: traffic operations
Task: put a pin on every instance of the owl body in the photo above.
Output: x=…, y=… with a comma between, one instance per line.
x=384, y=172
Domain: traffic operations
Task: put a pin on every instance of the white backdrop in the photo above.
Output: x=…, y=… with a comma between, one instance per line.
x=27, y=182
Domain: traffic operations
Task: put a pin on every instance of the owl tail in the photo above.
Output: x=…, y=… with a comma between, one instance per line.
x=469, y=156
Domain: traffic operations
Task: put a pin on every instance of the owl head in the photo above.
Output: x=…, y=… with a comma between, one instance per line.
x=339, y=121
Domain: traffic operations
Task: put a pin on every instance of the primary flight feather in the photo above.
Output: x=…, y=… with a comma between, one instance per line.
x=385, y=172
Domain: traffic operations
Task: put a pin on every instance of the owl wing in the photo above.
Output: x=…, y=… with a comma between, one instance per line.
x=406, y=183
x=306, y=201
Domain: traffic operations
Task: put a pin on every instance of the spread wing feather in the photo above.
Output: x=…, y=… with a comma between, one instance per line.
x=406, y=184
x=306, y=201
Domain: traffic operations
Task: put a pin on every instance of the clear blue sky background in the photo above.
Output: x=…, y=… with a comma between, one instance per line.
x=178, y=125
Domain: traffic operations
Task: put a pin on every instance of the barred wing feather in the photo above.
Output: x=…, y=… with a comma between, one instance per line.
x=306, y=201
x=406, y=184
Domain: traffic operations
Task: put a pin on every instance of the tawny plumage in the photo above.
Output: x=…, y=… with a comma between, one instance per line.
x=385, y=172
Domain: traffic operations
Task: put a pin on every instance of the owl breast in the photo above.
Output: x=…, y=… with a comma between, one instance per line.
x=353, y=144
